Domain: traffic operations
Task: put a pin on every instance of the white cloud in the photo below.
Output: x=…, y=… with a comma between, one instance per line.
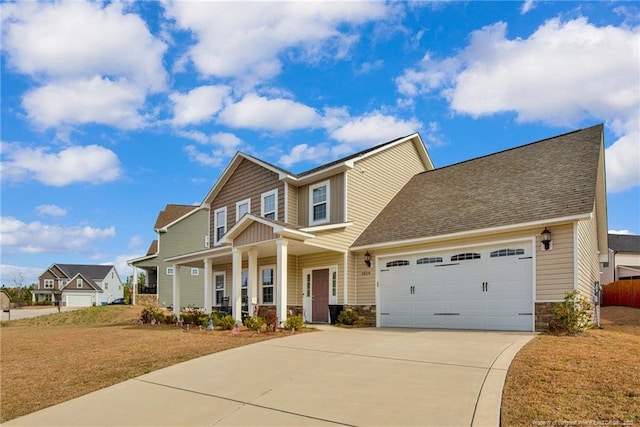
x=305, y=152
x=91, y=164
x=136, y=241
x=374, y=128
x=526, y=6
x=255, y=36
x=14, y=275
x=198, y=105
x=222, y=146
x=92, y=63
x=257, y=112
x=206, y=159
x=82, y=39
x=52, y=210
x=620, y=232
x=96, y=100
x=36, y=237
x=563, y=74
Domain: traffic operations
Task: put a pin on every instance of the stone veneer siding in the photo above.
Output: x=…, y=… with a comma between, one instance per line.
x=366, y=314
x=147, y=300
x=544, y=315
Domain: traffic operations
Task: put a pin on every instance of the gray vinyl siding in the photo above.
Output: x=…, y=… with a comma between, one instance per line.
x=249, y=180
x=336, y=200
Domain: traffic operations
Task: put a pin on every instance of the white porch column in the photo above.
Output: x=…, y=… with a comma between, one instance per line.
x=176, y=290
x=281, y=279
x=252, y=281
x=236, y=284
x=134, y=286
x=207, y=286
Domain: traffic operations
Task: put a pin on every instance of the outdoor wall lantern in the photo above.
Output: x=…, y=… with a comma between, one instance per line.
x=546, y=239
x=367, y=259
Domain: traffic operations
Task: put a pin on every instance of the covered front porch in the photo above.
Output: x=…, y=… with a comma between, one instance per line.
x=259, y=263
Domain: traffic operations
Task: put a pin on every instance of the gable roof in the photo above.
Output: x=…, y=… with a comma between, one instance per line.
x=172, y=213
x=624, y=243
x=92, y=272
x=153, y=248
x=550, y=179
x=87, y=280
x=319, y=172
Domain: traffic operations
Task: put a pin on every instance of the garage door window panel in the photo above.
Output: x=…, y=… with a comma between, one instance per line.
x=465, y=256
x=429, y=260
x=506, y=252
x=398, y=263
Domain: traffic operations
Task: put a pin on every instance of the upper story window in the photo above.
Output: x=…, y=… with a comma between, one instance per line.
x=79, y=283
x=269, y=206
x=319, y=203
x=48, y=283
x=242, y=207
x=220, y=223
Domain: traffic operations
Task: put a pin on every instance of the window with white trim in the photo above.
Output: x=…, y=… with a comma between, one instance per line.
x=106, y=286
x=79, y=283
x=267, y=285
x=269, y=204
x=220, y=223
x=169, y=271
x=195, y=271
x=319, y=203
x=244, y=285
x=242, y=207
x=218, y=280
x=48, y=283
x=334, y=283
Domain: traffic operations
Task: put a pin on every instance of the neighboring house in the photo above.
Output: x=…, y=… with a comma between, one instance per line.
x=624, y=258
x=80, y=285
x=490, y=243
x=180, y=229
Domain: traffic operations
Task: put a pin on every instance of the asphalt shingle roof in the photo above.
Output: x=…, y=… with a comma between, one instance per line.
x=171, y=213
x=552, y=178
x=624, y=243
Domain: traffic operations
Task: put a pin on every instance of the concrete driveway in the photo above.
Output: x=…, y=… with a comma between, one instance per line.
x=337, y=376
x=25, y=313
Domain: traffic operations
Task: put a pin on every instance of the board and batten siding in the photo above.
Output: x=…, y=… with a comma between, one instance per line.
x=249, y=180
x=588, y=263
x=256, y=232
x=336, y=200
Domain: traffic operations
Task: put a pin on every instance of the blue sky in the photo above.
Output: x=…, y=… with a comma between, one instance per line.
x=112, y=110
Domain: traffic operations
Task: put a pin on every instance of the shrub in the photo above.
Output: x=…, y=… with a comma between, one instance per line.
x=271, y=321
x=194, y=316
x=254, y=323
x=43, y=303
x=294, y=323
x=573, y=315
x=348, y=317
x=226, y=321
x=150, y=314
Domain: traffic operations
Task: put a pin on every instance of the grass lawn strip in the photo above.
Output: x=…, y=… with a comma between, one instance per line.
x=51, y=359
x=585, y=379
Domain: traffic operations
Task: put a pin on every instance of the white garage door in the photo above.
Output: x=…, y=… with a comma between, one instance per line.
x=474, y=288
x=79, y=300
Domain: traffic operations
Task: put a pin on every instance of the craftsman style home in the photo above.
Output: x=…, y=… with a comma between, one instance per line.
x=79, y=285
x=180, y=229
x=489, y=243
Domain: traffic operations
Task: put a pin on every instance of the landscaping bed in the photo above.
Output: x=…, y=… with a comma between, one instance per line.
x=578, y=380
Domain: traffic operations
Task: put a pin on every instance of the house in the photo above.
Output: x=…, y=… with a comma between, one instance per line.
x=490, y=243
x=180, y=229
x=79, y=285
x=623, y=261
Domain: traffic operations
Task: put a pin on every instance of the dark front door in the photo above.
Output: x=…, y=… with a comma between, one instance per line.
x=320, y=296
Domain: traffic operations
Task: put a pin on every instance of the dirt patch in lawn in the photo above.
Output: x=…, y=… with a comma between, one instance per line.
x=583, y=380
x=51, y=359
